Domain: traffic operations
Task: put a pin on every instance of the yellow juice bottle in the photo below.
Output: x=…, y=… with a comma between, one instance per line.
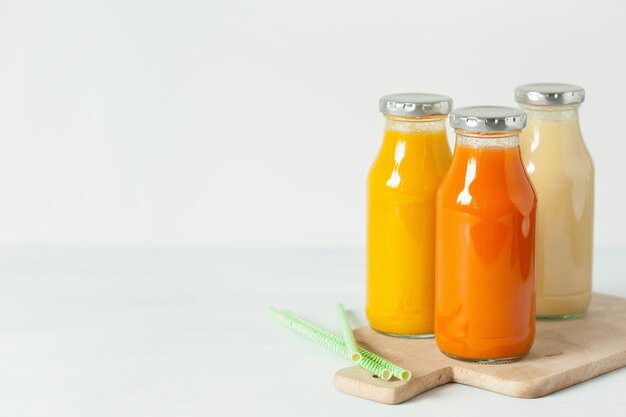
x=402, y=186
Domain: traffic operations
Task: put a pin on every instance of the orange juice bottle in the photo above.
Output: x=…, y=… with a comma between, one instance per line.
x=402, y=185
x=486, y=208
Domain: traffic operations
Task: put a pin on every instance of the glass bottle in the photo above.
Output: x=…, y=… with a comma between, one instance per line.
x=486, y=205
x=561, y=169
x=402, y=185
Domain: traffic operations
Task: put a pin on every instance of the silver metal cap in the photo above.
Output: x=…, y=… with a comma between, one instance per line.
x=488, y=119
x=549, y=94
x=415, y=104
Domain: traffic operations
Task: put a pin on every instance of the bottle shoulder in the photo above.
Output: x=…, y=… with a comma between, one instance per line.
x=409, y=169
x=563, y=165
x=495, y=192
x=558, y=146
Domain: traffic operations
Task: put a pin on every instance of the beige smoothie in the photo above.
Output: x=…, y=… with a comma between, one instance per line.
x=561, y=169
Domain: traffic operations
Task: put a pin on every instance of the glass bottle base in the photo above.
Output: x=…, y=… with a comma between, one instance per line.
x=406, y=336
x=561, y=317
x=500, y=361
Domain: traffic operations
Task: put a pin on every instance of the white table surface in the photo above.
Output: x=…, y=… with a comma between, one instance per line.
x=182, y=332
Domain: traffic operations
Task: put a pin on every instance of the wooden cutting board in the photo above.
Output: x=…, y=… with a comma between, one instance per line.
x=565, y=353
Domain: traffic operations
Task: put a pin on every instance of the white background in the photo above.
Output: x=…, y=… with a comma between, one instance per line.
x=154, y=124
x=254, y=123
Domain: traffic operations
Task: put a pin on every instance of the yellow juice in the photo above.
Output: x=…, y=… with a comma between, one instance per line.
x=402, y=186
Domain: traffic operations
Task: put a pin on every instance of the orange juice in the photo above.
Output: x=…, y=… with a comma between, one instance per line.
x=486, y=208
x=402, y=186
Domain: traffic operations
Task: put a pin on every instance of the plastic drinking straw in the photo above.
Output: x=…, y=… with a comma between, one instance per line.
x=329, y=343
x=348, y=335
x=400, y=373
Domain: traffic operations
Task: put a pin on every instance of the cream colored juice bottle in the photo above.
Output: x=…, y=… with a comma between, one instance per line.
x=562, y=172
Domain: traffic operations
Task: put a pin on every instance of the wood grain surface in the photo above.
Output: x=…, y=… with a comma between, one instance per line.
x=565, y=353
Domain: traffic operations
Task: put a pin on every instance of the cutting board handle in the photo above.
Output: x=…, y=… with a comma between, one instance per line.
x=357, y=381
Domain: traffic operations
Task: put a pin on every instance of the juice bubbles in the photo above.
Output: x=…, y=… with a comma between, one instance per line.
x=561, y=169
x=486, y=205
x=402, y=185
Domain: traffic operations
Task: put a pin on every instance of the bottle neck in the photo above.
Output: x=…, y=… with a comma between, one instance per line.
x=566, y=114
x=425, y=124
x=491, y=140
x=489, y=157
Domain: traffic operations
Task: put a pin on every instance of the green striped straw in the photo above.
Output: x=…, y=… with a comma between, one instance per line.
x=348, y=335
x=400, y=373
x=329, y=343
